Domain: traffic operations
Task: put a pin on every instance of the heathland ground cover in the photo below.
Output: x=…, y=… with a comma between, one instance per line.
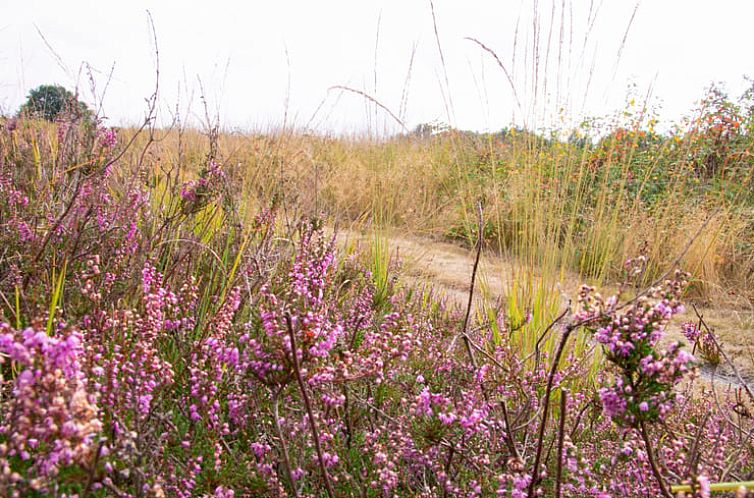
x=178, y=316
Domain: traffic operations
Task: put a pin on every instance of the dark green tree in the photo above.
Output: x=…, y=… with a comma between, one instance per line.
x=50, y=101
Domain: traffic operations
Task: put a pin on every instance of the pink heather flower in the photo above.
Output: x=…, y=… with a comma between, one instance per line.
x=644, y=406
x=446, y=418
x=613, y=402
x=470, y=421
x=260, y=450
x=424, y=402
x=691, y=331
x=107, y=138
x=223, y=492
x=704, y=486
x=50, y=419
x=520, y=483
x=188, y=191
x=481, y=373
x=330, y=459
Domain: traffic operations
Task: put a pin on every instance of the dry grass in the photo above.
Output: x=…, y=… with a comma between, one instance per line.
x=547, y=207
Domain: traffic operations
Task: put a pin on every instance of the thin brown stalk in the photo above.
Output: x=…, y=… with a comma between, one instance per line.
x=480, y=241
x=372, y=100
x=487, y=355
x=502, y=66
x=578, y=419
x=561, y=434
x=347, y=417
x=93, y=470
x=544, y=334
x=652, y=462
x=283, y=446
x=308, y=405
x=510, y=441
x=546, y=410
x=692, y=461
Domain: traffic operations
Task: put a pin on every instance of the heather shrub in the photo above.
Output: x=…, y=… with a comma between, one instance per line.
x=51, y=420
x=156, y=340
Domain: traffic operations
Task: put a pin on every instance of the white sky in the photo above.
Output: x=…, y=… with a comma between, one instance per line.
x=238, y=51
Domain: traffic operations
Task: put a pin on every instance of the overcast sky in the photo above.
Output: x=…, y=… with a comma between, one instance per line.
x=566, y=58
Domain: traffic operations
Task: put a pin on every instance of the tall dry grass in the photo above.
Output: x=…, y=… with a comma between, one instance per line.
x=556, y=208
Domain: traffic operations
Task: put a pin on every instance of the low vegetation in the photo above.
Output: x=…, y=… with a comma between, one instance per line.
x=176, y=318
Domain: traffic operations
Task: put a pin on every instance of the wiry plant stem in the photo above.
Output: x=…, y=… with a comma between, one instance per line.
x=561, y=434
x=283, y=446
x=465, y=327
x=308, y=405
x=652, y=462
x=546, y=411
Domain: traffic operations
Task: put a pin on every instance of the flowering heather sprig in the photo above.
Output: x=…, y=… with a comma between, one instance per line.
x=645, y=375
x=107, y=138
x=312, y=318
x=691, y=331
x=213, y=365
x=15, y=204
x=223, y=492
x=51, y=420
x=196, y=193
x=135, y=370
x=703, y=341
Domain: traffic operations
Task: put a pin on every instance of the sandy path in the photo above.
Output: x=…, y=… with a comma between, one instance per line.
x=447, y=268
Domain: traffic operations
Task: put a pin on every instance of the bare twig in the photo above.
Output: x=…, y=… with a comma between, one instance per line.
x=283, y=447
x=561, y=434
x=308, y=405
x=93, y=469
x=546, y=409
x=544, y=334
x=652, y=462
x=692, y=461
x=509, y=439
x=480, y=241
